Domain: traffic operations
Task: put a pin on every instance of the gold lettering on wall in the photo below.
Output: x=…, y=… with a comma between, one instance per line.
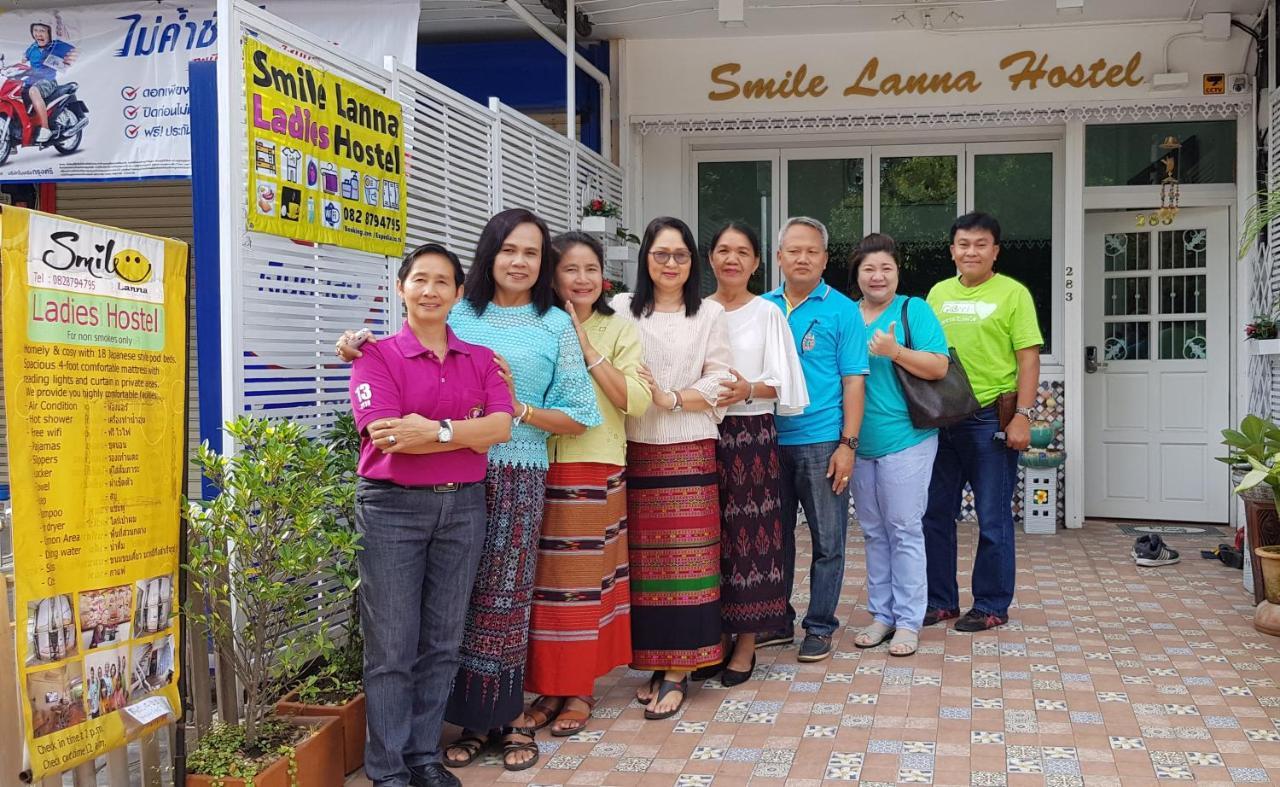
x=1026, y=68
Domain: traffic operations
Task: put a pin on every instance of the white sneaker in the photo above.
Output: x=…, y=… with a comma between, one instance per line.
x=43, y=135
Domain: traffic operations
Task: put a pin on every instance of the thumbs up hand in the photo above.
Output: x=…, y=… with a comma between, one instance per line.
x=884, y=344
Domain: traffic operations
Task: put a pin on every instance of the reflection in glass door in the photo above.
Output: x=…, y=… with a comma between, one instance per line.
x=917, y=199
x=737, y=190
x=831, y=187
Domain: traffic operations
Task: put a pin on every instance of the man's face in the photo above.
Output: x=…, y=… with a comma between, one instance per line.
x=41, y=33
x=974, y=253
x=803, y=256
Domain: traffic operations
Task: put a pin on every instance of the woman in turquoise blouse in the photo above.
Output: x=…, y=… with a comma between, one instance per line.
x=895, y=459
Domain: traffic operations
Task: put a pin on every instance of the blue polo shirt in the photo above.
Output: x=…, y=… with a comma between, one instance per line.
x=832, y=343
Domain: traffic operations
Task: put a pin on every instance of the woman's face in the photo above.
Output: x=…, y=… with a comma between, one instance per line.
x=733, y=259
x=515, y=269
x=878, y=277
x=670, y=261
x=579, y=276
x=429, y=290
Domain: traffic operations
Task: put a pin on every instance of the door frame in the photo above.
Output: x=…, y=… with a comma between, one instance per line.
x=1219, y=330
x=772, y=156
x=789, y=155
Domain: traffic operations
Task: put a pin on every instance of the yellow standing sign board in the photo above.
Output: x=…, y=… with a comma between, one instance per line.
x=95, y=349
x=326, y=155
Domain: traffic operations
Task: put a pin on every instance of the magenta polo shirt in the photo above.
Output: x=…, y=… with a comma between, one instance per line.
x=398, y=376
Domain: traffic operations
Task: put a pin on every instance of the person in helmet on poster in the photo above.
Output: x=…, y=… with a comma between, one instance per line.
x=44, y=57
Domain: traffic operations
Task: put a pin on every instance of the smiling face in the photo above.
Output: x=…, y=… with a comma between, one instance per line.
x=670, y=275
x=733, y=260
x=974, y=253
x=579, y=276
x=429, y=289
x=878, y=277
x=516, y=266
x=803, y=256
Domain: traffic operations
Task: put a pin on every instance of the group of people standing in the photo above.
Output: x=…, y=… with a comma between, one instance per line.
x=105, y=689
x=554, y=483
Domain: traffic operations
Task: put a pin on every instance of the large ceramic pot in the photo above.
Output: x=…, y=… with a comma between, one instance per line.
x=351, y=719
x=1262, y=528
x=318, y=758
x=1267, y=617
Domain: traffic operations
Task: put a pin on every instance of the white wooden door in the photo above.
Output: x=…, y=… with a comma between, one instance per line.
x=1156, y=366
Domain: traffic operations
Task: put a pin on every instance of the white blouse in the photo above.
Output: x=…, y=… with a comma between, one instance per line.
x=764, y=351
x=682, y=352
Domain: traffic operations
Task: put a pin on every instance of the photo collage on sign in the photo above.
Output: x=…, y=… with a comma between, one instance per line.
x=94, y=652
x=299, y=187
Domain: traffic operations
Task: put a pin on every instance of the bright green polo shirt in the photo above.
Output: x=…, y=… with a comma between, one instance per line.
x=986, y=325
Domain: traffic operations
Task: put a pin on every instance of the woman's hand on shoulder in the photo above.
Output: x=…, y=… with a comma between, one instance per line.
x=347, y=347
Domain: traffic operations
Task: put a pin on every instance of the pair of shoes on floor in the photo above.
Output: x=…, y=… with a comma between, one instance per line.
x=973, y=620
x=1226, y=553
x=1150, y=551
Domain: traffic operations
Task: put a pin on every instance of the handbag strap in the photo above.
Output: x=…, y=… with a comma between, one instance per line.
x=906, y=324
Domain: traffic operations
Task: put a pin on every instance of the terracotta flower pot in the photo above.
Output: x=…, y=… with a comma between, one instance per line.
x=1267, y=617
x=319, y=759
x=350, y=717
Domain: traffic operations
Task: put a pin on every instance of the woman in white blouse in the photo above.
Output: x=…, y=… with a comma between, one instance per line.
x=767, y=379
x=673, y=501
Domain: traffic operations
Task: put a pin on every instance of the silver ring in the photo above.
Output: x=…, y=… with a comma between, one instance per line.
x=391, y=439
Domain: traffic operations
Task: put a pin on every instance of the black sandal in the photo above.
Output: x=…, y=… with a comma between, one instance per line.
x=666, y=688
x=655, y=682
x=510, y=747
x=471, y=745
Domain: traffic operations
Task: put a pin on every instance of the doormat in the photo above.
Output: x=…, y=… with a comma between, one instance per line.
x=1173, y=530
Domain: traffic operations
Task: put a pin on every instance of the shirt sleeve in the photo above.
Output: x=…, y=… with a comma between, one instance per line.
x=627, y=357
x=571, y=391
x=716, y=363
x=851, y=346
x=926, y=331
x=782, y=367
x=1024, y=328
x=497, y=396
x=374, y=391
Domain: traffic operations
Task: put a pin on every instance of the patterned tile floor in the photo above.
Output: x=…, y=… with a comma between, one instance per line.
x=1106, y=674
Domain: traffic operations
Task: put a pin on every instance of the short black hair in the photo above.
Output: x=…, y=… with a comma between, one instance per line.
x=736, y=226
x=871, y=244
x=567, y=240
x=977, y=220
x=642, y=301
x=406, y=264
x=480, y=286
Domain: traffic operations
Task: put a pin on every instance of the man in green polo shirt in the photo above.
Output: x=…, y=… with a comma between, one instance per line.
x=990, y=320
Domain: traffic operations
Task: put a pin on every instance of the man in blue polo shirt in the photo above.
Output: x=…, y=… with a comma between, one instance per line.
x=817, y=447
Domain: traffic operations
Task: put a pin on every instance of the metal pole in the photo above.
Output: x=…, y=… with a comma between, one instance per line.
x=570, y=72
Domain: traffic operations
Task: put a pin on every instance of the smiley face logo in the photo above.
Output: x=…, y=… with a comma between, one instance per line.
x=132, y=266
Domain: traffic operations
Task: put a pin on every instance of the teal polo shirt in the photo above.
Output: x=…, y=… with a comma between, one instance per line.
x=832, y=344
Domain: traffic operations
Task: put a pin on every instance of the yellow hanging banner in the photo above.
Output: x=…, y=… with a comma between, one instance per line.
x=95, y=366
x=326, y=155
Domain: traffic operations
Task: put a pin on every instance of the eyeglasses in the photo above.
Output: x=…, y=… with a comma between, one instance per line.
x=663, y=257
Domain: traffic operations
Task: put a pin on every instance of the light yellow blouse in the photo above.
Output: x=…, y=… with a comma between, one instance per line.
x=616, y=338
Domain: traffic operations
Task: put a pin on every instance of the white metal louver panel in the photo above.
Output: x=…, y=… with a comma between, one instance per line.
x=450, y=171
x=596, y=178
x=536, y=169
x=1272, y=250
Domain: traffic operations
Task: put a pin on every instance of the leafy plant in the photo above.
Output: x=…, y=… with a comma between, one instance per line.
x=1263, y=326
x=627, y=236
x=600, y=207
x=1254, y=449
x=1264, y=210
x=615, y=286
x=223, y=751
x=256, y=548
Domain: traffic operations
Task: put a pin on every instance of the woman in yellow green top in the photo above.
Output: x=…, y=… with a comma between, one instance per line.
x=581, y=620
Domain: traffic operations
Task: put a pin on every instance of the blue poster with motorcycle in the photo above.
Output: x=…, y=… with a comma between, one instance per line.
x=100, y=92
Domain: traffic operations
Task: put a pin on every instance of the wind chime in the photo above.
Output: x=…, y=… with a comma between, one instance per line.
x=1169, y=189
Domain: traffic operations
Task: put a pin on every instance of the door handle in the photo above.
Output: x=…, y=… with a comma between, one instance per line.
x=1091, y=362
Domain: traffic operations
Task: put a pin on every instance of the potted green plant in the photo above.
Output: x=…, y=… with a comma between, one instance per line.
x=257, y=548
x=1256, y=443
x=336, y=687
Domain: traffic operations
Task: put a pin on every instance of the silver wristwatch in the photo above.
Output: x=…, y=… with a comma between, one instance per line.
x=1023, y=411
x=446, y=430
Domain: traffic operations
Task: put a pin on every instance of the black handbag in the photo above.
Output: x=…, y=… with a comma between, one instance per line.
x=936, y=403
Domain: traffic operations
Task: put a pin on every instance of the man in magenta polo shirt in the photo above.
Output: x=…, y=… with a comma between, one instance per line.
x=428, y=406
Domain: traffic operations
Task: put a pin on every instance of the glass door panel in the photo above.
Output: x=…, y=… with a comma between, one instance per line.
x=741, y=190
x=917, y=199
x=834, y=191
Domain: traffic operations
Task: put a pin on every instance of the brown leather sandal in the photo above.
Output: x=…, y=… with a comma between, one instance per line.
x=511, y=746
x=543, y=711
x=577, y=717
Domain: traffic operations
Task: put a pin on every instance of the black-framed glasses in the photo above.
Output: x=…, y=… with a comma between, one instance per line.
x=663, y=257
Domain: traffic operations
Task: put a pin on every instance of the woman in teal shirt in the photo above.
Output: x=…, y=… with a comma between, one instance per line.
x=895, y=459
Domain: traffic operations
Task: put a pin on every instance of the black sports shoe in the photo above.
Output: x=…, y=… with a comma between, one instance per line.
x=433, y=774
x=934, y=615
x=1151, y=551
x=783, y=636
x=977, y=620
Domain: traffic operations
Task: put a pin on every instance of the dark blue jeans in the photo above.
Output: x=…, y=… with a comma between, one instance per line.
x=805, y=483
x=967, y=453
x=420, y=551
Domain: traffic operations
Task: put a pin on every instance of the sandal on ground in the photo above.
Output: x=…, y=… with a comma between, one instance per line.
x=666, y=688
x=510, y=747
x=654, y=684
x=543, y=711
x=873, y=635
x=577, y=718
x=904, y=642
x=471, y=745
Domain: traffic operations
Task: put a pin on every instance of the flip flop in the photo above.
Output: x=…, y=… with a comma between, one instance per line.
x=510, y=747
x=666, y=688
x=578, y=718
x=471, y=745
x=543, y=711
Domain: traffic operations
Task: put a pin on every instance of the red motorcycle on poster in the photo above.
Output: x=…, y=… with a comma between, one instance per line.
x=64, y=115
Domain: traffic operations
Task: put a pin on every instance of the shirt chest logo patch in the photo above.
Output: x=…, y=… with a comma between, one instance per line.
x=364, y=395
x=808, y=342
x=975, y=311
